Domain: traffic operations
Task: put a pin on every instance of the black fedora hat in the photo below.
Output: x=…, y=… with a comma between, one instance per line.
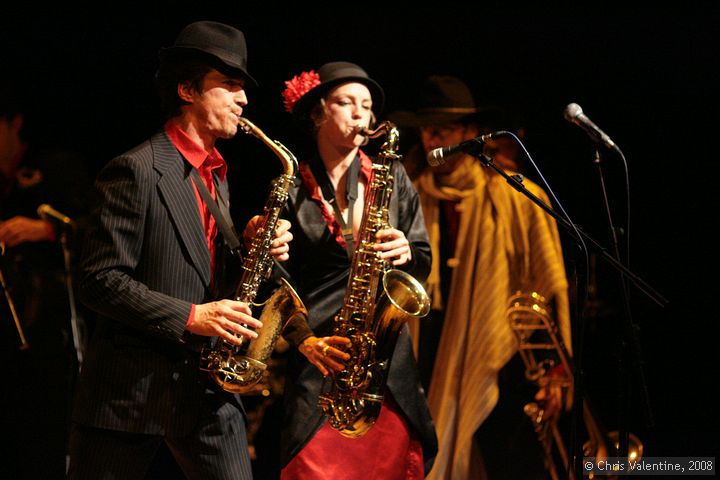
x=442, y=99
x=333, y=74
x=222, y=42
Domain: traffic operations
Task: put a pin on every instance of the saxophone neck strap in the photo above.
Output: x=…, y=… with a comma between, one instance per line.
x=219, y=210
x=328, y=192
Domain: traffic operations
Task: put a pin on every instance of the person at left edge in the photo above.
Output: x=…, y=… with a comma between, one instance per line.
x=152, y=268
x=38, y=258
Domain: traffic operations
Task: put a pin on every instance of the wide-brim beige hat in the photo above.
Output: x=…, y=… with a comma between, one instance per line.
x=442, y=99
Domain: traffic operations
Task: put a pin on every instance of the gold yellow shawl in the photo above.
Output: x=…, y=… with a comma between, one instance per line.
x=505, y=243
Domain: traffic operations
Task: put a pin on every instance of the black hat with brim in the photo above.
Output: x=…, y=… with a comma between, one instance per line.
x=223, y=43
x=332, y=75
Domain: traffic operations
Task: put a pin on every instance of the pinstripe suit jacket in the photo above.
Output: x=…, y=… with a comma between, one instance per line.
x=144, y=264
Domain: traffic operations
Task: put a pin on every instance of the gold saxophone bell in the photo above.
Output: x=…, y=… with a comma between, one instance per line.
x=238, y=369
x=371, y=318
x=535, y=330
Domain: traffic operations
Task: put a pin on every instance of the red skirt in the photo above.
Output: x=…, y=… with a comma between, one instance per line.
x=388, y=451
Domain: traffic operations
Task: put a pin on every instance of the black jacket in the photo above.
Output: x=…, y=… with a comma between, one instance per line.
x=145, y=262
x=319, y=268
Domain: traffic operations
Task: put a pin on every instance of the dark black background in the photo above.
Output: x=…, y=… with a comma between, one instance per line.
x=647, y=77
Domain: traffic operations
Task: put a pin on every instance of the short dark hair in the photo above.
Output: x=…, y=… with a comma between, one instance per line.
x=190, y=68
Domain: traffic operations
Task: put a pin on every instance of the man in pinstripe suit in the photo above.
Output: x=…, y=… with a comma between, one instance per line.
x=152, y=267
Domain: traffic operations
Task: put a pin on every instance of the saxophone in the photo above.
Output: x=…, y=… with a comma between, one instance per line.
x=371, y=319
x=535, y=330
x=237, y=368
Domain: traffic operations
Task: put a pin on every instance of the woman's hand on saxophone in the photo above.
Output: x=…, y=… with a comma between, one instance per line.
x=393, y=246
x=280, y=246
x=325, y=353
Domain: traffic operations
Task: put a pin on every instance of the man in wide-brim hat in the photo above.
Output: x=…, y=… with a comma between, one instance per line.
x=443, y=99
x=446, y=115
x=488, y=241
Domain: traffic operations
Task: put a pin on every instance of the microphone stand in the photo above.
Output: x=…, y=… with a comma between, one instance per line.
x=515, y=181
x=627, y=333
x=74, y=323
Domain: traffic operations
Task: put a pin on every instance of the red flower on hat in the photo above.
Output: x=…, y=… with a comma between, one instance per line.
x=298, y=86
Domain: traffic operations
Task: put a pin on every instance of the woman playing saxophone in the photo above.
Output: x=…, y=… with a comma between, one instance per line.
x=326, y=211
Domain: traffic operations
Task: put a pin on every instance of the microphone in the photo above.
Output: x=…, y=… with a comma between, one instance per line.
x=47, y=212
x=574, y=114
x=439, y=156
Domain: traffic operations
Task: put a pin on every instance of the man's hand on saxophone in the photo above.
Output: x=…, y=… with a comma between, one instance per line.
x=229, y=318
x=279, y=248
x=393, y=246
x=326, y=353
x=226, y=319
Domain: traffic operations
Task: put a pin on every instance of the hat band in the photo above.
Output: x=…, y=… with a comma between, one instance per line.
x=448, y=110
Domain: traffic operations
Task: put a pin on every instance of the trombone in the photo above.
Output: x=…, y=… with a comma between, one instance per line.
x=24, y=345
x=536, y=332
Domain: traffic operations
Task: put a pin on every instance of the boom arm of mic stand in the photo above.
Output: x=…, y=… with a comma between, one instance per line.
x=574, y=232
